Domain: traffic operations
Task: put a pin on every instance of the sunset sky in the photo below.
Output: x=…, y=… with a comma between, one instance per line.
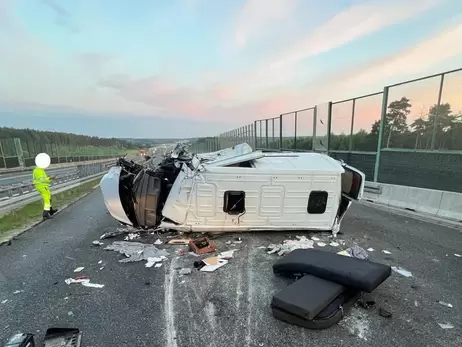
x=186, y=68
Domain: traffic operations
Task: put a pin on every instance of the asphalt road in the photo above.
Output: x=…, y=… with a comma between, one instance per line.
x=13, y=178
x=142, y=306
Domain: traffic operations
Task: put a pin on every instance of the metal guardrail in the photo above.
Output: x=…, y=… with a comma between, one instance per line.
x=80, y=171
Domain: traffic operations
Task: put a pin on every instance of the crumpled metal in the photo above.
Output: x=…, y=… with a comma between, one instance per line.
x=136, y=251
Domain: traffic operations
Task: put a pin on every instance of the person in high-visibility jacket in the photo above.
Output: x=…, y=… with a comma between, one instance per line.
x=42, y=183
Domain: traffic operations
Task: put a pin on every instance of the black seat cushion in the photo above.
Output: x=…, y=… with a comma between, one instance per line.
x=328, y=317
x=362, y=275
x=307, y=297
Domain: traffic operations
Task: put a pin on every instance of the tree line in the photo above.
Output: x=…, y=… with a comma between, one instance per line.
x=59, y=138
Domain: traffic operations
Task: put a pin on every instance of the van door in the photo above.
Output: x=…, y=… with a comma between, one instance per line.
x=353, y=182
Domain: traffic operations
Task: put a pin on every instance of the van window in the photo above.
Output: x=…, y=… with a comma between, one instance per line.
x=317, y=202
x=234, y=202
x=351, y=183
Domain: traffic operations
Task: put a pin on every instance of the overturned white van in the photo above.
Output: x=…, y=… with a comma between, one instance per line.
x=235, y=189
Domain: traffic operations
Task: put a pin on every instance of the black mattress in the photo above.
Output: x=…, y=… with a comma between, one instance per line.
x=358, y=274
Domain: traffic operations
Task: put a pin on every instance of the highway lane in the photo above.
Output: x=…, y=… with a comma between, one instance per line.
x=13, y=178
x=142, y=306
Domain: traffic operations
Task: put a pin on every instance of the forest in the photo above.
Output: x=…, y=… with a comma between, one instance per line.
x=65, y=139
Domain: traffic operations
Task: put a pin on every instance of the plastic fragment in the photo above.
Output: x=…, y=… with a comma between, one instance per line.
x=457, y=255
x=446, y=325
x=386, y=252
x=185, y=271
x=79, y=269
x=445, y=304
x=401, y=271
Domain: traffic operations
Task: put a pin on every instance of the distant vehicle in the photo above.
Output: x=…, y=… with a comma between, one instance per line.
x=235, y=189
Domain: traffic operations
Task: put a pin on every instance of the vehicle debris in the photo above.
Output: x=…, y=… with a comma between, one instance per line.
x=289, y=245
x=384, y=313
x=117, y=232
x=179, y=242
x=446, y=325
x=445, y=304
x=202, y=246
x=212, y=264
x=136, y=251
x=83, y=280
x=154, y=260
x=329, y=287
x=355, y=252
x=132, y=236
x=175, y=191
x=185, y=271
x=401, y=271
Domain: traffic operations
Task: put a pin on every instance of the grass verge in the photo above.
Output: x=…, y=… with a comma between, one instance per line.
x=23, y=216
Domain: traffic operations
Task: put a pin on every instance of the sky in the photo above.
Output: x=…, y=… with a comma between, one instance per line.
x=189, y=68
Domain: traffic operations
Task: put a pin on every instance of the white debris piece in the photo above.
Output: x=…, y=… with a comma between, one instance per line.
x=401, y=271
x=289, y=245
x=136, y=251
x=334, y=244
x=98, y=243
x=457, y=255
x=84, y=281
x=158, y=265
x=386, y=252
x=100, y=262
x=80, y=268
x=228, y=254
x=154, y=260
x=370, y=249
x=92, y=285
x=321, y=244
x=4, y=301
x=446, y=325
x=131, y=236
x=314, y=238
x=18, y=291
x=185, y=271
x=445, y=304
x=158, y=242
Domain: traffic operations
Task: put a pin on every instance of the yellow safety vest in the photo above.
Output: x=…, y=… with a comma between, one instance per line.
x=40, y=178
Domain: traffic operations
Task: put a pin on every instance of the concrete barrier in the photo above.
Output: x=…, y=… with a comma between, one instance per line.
x=438, y=203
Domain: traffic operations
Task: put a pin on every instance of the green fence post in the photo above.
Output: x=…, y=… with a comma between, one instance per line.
x=329, y=125
x=3, y=155
x=315, y=120
x=435, y=121
x=266, y=134
x=19, y=154
x=280, y=132
x=353, y=106
x=295, y=130
x=380, y=139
